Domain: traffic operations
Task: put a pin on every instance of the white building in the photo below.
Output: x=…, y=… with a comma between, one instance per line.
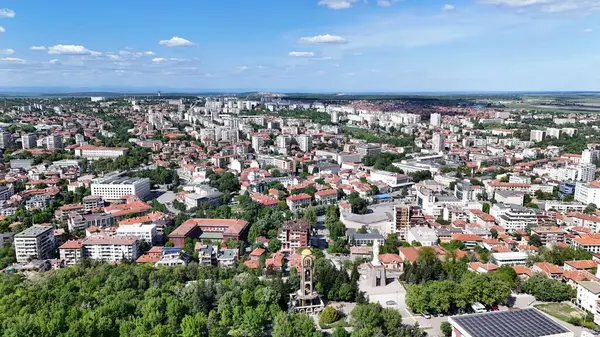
x=110, y=249
x=586, y=172
x=99, y=152
x=28, y=141
x=435, y=119
x=36, y=242
x=588, y=193
x=513, y=217
x=116, y=185
x=589, y=156
x=437, y=142
x=424, y=235
x=553, y=133
x=54, y=142
x=537, y=135
x=588, y=293
x=305, y=143
x=257, y=142
x=144, y=232
x=511, y=258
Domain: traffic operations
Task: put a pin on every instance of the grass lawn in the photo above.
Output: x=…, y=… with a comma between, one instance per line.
x=562, y=311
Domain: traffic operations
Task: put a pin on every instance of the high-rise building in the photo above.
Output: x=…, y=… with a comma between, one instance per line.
x=284, y=141
x=305, y=143
x=5, y=140
x=435, y=119
x=335, y=117
x=438, y=142
x=28, y=141
x=537, y=135
x=553, y=133
x=257, y=142
x=589, y=156
x=368, y=149
x=586, y=172
x=36, y=242
x=463, y=190
x=54, y=142
x=79, y=139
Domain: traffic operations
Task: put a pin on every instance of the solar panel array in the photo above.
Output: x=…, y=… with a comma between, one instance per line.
x=514, y=323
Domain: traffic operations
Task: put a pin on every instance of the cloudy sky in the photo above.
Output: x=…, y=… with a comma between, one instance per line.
x=302, y=45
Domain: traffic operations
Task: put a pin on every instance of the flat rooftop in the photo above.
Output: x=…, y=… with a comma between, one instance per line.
x=528, y=322
x=33, y=231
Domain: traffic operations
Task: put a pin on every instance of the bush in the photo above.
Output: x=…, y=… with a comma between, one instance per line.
x=328, y=316
x=446, y=329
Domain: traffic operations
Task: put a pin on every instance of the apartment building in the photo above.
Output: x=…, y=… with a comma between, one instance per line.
x=589, y=242
x=6, y=140
x=54, y=142
x=550, y=235
x=28, y=141
x=91, y=202
x=144, y=232
x=99, y=152
x=588, y=193
x=36, y=242
x=294, y=234
x=326, y=197
x=115, y=186
x=298, y=201
x=102, y=248
x=513, y=217
x=305, y=143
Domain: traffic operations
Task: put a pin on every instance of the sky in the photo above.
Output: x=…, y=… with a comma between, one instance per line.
x=302, y=45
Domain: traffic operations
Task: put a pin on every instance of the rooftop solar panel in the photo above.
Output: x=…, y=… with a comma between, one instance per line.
x=528, y=322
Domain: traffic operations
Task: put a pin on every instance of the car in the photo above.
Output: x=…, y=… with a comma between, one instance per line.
x=426, y=315
x=390, y=303
x=495, y=307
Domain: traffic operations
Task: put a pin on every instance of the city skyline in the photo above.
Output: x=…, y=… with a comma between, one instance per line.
x=303, y=45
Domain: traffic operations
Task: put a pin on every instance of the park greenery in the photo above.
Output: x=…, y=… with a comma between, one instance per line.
x=547, y=289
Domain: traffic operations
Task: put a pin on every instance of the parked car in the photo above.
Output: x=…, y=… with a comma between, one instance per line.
x=495, y=307
x=426, y=315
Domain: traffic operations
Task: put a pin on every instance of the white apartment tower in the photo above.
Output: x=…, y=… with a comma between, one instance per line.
x=28, y=141
x=586, y=172
x=54, y=142
x=537, y=135
x=438, y=142
x=257, y=142
x=305, y=143
x=589, y=156
x=435, y=119
x=36, y=242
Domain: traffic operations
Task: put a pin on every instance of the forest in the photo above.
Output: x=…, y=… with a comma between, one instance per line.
x=95, y=299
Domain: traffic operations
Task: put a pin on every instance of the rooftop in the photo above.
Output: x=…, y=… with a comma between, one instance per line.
x=528, y=322
x=34, y=231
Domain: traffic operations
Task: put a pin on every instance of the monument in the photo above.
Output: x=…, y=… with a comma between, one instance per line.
x=376, y=276
x=306, y=300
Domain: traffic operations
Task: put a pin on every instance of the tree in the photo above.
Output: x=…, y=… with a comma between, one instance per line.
x=494, y=233
x=535, y=240
x=328, y=316
x=547, y=289
x=340, y=332
x=590, y=209
x=310, y=215
x=446, y=329
x=194, y=326
x=486, y=208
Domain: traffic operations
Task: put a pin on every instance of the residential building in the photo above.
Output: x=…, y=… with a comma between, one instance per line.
x=77, y=221
x=366, y=239
x=100, y=247
x=144, y=232
x=207, y=254
x=589, y=242
x=28, y=141
x=294, y=234
x=99, y=152
x=537, y=135
x=588, y=193
x=588, y=294
x=586, y=172
x=6, y=192
x=54, y=142
x=509, y=197
x=326, y=197
x=34, y=243
x=435, y=119
x=115, y=186
x=589, y=156
x=548, y=269
x=513, y=217
x=91, y=202
x=37, y=202
x=368, y=149
x=6, y=140
x=305, y=143
x=257, y=142
x=437, y=142
x=298, y=201
x=550, y=235
x=463, y=190
x=6, y=238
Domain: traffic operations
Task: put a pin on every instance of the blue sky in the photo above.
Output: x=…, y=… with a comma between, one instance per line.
x=302, y=45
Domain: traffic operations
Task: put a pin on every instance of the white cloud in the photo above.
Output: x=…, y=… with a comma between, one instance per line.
x=448, y=8
x=243, y=68
x=588, y=30
x=12, y=60
x=7, y=13
x=113, y=57
x=69, y=49
x=2, y=30
x=7, y=51
x=550, y=6
x=337, y=4
x=176, y=42
x=38, y=48
x=301, y=54
x=323, y=39
x=158, y=59
x=386, y=3
x=54, y=61
x=149, y=53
